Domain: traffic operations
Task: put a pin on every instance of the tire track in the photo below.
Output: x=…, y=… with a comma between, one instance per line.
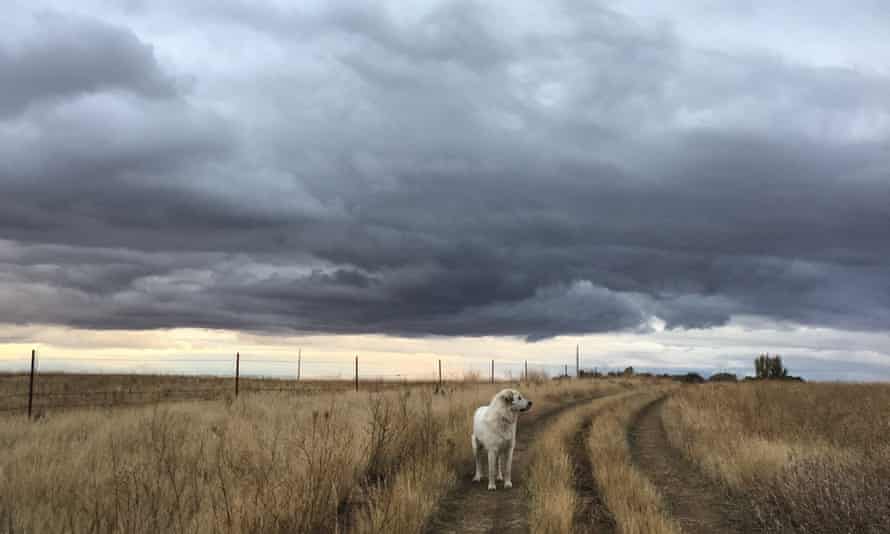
x=697, y=503
x=591, y=515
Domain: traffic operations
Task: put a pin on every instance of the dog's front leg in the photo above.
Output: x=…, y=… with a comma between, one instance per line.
x=508, y=482
x=492, y=460
x=500, y=466
x=477, y=454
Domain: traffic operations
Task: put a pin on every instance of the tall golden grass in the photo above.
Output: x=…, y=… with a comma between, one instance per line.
x=356, y=462
x=551, y=470
x=800, y=457
x=807, y=457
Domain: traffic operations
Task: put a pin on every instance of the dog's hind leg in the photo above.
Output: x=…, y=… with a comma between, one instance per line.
x=508, y=469
x=492, y=459
x=501, y=466
x=477, y=454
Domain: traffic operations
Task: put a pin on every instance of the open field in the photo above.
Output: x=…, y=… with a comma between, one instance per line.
x=330, y=461
x=606, y=456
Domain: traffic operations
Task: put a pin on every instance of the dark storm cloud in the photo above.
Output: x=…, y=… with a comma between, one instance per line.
x=67, y=55
x=460, y=170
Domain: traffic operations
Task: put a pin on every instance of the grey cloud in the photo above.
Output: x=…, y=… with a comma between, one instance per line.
x=441, y=174
x=68, y=55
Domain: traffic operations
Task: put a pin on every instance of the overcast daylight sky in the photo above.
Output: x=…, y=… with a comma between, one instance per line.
x=672, y=185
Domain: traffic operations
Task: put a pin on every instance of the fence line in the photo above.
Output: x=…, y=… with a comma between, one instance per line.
x=442, y=370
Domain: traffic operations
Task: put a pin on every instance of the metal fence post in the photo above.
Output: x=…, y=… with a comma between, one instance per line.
x=299, y=363
x=577, y=360
x=237, y=370
x=356, y=372
x=31, y=384
x=492, y=371
x=440, y=375
x=526, y=371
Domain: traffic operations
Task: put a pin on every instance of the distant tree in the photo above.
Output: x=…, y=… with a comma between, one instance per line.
x=689, y=378
x=766, y=367
x=628, y=371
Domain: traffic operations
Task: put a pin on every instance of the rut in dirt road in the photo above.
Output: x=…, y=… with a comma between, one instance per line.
x=697, y=503
x=471, y=508
x=591, y=516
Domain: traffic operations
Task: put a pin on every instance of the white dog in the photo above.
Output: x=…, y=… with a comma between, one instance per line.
x=494, y=429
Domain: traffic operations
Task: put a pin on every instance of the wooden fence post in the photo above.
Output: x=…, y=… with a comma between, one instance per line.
x=567, y=370
x=237, y=370
x=31, y=384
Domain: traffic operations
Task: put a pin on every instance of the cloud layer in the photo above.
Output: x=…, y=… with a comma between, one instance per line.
x=453, y=168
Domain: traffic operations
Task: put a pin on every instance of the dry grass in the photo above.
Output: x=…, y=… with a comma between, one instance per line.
x=808, y=457
x=58, y=391
x=802, y=457
x=634, y=502
x=358, y=462
x=553, y=498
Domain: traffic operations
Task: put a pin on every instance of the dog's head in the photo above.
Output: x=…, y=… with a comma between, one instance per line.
x=514, y=400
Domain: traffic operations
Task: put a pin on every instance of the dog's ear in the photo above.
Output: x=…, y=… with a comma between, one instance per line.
x=508, y=397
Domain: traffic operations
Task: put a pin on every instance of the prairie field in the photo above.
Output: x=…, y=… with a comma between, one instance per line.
x=620, y=455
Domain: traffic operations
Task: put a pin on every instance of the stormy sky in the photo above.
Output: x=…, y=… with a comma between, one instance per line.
x=518, y=170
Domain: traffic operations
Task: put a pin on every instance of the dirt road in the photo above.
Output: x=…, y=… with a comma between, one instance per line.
x=697, y=503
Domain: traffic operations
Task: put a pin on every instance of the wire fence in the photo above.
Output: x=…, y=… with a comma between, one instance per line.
x=35, y=383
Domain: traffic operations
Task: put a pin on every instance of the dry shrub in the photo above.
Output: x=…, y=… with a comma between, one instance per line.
x=471, y=376
x=807, y=457
x=412, y=459
x=815, y=495
x=537, y=377
x=406, y=503
x=183, y=469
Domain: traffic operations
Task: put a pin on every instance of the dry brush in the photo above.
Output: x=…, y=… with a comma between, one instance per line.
x=806, y=457
x=345, y=462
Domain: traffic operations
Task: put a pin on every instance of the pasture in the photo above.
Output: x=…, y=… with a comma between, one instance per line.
x=619, y=455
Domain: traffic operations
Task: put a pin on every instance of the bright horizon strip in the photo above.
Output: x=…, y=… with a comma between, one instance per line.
x=813, y=353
